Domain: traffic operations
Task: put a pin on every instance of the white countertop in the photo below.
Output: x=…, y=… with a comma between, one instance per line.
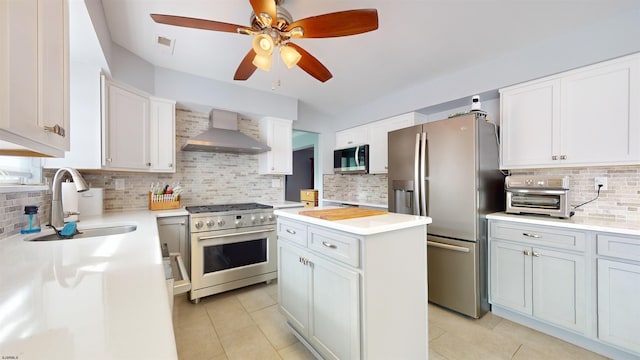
x=92, y=298
x=367, y=225
x=355, y=203
x=283, y=204
x=576, y=222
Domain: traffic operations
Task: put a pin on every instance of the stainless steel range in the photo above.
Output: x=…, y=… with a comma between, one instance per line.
x=232, y=245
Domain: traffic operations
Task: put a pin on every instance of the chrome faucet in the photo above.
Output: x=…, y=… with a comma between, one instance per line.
x=56, y=216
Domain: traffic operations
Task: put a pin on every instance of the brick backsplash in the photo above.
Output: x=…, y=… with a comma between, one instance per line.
x=12, y=210
x=208, y=178
x=621, y=202
x=370, y=189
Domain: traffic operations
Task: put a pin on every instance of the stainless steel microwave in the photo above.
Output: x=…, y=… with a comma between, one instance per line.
x=351, y=160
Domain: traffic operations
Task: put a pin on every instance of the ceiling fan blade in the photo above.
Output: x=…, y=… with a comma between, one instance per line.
x=246, y=68
x=197, y=23
x=312, y=65
x=265, y=7
x=342, y=23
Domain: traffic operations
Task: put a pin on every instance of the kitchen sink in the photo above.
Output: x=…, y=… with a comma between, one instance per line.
x=88, y=233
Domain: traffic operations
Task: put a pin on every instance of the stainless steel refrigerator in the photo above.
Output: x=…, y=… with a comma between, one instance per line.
x=448, y=170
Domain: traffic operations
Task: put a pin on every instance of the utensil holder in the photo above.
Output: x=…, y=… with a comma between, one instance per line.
x=163, y=202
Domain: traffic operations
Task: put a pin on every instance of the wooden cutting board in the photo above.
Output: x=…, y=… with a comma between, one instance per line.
x=342, y=213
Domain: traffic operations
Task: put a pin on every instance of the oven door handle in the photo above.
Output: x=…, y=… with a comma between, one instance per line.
x=235, y=234
x=537, y=191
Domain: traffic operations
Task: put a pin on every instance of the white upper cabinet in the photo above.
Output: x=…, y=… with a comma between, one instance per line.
x=34, y=71
x=277, y=134
x=379, y=142
x=352, y=137
x=162, y=142
x=588, y=116
x=126, y=136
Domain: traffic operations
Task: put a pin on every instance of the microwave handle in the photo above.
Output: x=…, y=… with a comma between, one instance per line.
x=356, y=156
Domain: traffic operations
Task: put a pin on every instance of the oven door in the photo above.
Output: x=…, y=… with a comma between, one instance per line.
x=228, y=256
x=539, y=201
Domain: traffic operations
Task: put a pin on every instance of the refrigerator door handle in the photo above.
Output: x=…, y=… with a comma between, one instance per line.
x=416, y=178
x=423, y=175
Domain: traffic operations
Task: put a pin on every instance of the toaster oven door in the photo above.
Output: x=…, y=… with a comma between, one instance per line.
x=539, y=201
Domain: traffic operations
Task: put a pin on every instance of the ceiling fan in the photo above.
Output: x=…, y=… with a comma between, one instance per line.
x=272, y=26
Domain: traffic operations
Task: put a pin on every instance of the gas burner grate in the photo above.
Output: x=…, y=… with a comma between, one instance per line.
x=226, y=207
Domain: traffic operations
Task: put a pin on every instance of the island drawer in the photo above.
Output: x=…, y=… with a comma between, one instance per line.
x=293, y=231
x=335, y=245
x=623, y=247
x=538, y=235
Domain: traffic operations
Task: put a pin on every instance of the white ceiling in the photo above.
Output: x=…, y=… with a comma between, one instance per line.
x=416, y=41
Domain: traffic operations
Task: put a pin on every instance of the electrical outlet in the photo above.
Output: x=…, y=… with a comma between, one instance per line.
x=119, y=184
x=600, y=180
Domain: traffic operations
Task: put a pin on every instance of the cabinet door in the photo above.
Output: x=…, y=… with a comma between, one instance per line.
x=618, y=299
x=53, y=72
x=127, y=127
x=173, y=231
x=162, y=135
x=293, y=286
x=334, y=328
x=530, y=127
x=559, y=288
x=601, y=114
x=510, y=276
x=352, y=137
x=277, y=133
x=378, y=141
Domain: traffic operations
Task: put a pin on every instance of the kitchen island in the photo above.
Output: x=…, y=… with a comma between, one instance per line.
x=355, y=288
x=87, y=298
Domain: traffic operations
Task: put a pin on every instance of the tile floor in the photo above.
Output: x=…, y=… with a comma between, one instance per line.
x=246, y=324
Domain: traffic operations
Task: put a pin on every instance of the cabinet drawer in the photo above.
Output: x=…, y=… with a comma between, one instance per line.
x=335, y=245
x=538, y=235
x=624, y=247
x=293, y=231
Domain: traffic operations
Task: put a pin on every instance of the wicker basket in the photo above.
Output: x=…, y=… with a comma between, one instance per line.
x=163, y=205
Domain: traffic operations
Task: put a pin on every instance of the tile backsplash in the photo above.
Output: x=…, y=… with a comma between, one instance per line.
x=12, y=209
x=365, y=188
x=621, y=202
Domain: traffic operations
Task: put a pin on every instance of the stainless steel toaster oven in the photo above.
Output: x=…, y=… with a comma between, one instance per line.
x=538, y=195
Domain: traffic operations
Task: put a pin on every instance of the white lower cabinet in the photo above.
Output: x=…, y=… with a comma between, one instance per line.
x=321, y=301
x=580, y=285
x=544, y=283
x=343, y=301
x=619, y=291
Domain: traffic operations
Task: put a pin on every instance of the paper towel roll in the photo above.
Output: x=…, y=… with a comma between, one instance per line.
x=70, y=198
x=90, y=202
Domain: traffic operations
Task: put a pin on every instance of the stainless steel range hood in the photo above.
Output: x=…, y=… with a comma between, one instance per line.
x=223, y=136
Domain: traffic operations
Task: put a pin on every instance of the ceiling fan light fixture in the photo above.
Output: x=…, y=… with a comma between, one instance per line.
x=290, y=56
x=262, y=62
x=263, y=44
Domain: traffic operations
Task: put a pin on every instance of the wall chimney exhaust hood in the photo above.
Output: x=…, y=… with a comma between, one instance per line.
x=223, y=136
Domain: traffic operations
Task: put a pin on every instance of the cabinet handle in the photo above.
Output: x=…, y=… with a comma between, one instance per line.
x=536, y=236
x=554, y=157
x=170, y=165
x=563, y=157
x=56, y=129
x=292, y=232
x=108, y=159
x=527, y=252
x=329, y=245
x=148, y=164
x=536, y=254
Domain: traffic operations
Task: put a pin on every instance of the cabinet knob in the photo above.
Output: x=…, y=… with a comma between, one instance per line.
x=108, y=159
x=554, y=157
x=56, y=129
x=170, y=165
x=526, y=252
x=149, y=164
x=536, y=254
x=563, y=157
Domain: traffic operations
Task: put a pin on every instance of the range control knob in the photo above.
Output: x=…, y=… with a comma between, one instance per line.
x=198, y=224
x=261, y=218
x=238, y=222
x=270, y=217
x=253, y=219
x=220, y=222
x=210, y=223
